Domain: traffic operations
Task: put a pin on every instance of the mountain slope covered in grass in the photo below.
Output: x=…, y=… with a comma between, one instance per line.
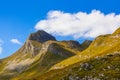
x=102, y=45
x=106, y=67
x=100, y=61
x=39, y=53
x=42, y=57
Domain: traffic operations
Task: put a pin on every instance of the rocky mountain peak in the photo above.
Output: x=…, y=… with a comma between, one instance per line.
x=34, y=42
x=41, y=36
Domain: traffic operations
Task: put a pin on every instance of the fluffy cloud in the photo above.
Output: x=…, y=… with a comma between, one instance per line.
x=16, y=41
x=81, y=24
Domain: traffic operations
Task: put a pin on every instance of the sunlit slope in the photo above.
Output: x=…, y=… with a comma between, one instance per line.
x=106, y=67
x=102, y=45
x=17, y=62
x=24, y=62
x=39, y=53
x=54, y=54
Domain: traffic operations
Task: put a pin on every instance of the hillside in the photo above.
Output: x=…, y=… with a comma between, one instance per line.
x=102, y=45
x=39, y=53
x=100, y=68
x=43, y=55
x=100, y=61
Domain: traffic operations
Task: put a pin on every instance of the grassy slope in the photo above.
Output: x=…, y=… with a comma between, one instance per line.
x=102, y=45
x=102, y=68
x=41, y=63
x=18, y=56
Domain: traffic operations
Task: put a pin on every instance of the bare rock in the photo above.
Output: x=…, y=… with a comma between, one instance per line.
x=86, y=43
x=31, y=47
x=41, y=36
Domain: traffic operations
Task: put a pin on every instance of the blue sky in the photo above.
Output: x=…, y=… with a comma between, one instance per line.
x=18, y=18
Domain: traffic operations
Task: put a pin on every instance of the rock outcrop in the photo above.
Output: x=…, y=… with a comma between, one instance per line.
x=34, y=42
x=32, y=47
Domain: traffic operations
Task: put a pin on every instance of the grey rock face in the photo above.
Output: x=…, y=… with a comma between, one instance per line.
x=87, y=42
x=41, y=36
x=31, y=48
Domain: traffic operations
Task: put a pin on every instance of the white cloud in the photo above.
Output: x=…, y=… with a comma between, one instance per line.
x=16, y=41
x=79, y=24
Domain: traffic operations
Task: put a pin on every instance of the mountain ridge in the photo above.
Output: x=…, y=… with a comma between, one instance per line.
x=104, y=42
x=40, y=51
x=64, y=60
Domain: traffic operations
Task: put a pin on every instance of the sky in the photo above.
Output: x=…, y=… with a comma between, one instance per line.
x=65, y=19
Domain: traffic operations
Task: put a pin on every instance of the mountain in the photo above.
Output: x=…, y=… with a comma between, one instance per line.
x=100, y=61
x=103, y=44
x=106, y=67
x=39, y=53
x=42, y=57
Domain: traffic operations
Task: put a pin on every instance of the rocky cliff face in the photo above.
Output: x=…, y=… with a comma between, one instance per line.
x=32, y=45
